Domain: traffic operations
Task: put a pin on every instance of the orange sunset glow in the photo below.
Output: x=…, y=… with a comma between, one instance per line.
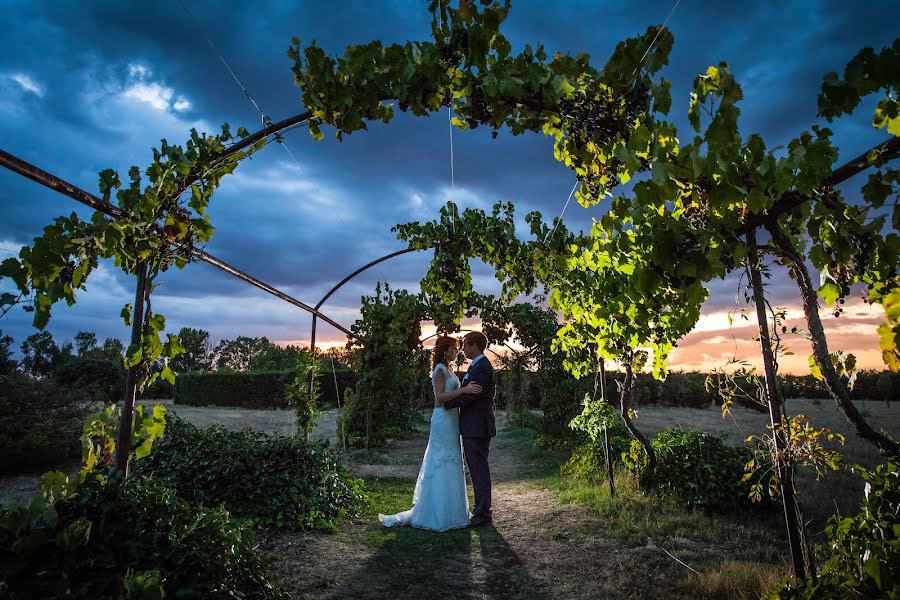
x=714, y=342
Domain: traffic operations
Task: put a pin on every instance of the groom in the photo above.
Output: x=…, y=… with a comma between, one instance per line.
x=476, y=423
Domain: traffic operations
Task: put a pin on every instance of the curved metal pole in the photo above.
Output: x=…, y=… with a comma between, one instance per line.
x=56, y=184
x=361, y=269
x=312, y=335
x=248, y=141
x=312, y=331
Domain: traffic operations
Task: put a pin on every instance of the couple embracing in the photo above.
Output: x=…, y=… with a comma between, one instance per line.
x=462, y=410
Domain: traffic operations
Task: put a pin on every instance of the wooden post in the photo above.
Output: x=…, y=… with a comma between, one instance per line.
x=607, y=448
x=123, y=446
x=337, y=394
x=312, y=350
x=791, y=517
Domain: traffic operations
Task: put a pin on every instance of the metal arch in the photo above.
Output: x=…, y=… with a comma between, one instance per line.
x=312, y=336
x=360, y=270
x=61, y=186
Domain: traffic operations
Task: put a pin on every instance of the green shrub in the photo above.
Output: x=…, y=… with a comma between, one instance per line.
x=253, y=389
x=239, y=389
x=301, y=396
x=281, y=481
x=384, y=401
x=685, y=389
x=561, y=401
x=126, y=539
x=40, y=424
x=92, y=379
x=598, y=420
x=531, y=386
x=588, y=461
x=862, y=556
x=701, y=470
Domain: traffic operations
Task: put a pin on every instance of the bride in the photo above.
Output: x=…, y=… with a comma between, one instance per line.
x=440, y=501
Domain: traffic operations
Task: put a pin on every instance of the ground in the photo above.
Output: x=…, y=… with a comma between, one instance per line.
x=551, y=537
x=538, y=546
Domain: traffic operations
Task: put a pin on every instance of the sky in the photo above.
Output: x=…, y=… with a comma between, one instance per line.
x=96, y=84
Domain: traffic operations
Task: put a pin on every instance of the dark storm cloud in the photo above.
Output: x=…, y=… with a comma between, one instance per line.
x=95, y=84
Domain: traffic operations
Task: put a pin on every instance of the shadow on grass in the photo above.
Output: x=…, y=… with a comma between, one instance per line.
x=415, y=563
x=506, y=574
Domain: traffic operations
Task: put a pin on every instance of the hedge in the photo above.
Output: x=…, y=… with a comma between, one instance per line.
x=40, y=425
x=253, y=389
x=689, y=390
x=562, y=394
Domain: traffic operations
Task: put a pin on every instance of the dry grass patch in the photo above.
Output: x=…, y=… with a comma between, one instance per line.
x=737, y=580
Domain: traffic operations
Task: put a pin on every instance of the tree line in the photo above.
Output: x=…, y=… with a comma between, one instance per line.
x=41, y=355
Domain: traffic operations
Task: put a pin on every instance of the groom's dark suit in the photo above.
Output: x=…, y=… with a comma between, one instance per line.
x=477, y=426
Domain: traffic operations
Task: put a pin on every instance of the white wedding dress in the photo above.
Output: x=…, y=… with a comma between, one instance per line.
x=439, y=501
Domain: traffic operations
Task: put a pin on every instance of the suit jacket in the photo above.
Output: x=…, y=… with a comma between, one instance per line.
x=476, y=411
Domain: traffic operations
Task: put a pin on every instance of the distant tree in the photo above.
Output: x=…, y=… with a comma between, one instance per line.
x=112, y=350
x=40, y=354
x=6, y=361
x=278, y=358
x=339, y=354
x=197, y=354
x=85, y=343
x=239, y=354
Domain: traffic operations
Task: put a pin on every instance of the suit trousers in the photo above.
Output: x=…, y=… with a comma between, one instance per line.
x=476, y=451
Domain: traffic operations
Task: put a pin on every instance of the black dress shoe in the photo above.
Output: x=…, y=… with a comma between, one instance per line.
x=477, y=521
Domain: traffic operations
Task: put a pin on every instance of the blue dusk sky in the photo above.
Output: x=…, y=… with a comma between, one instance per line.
x=91, y=85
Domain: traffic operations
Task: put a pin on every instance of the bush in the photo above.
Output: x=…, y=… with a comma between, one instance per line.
x=598, y=421
x=301, y=396
x=132, y=539
x=160, y=389
x=92, y=379
x=273, y=480
x=588, y=461
x=561, y=399
x=40, y=424
x=384, y=402
x=531, y=386
x=888, y=385
x=684, y=389
x=862, y=556
x=701, y=470
x=253, y=389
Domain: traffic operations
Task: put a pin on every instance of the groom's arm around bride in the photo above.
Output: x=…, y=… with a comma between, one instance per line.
x=478, y=407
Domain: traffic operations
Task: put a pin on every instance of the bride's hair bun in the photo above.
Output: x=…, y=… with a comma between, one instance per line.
x=439, y=354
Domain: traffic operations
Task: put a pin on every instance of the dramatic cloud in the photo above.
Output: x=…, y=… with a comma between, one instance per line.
x=109, y=80
x=28, y=84
x=143, y=89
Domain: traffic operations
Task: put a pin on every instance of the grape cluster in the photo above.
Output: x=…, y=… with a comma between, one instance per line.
x=600, y=119
x=697, y=215
x=479, y=110
x=843, y=277
x=864, y=245
x=67, y=272
x=594, y=188
x=450, y=55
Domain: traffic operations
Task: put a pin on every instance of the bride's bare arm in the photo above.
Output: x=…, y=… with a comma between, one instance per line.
x=440, y=380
